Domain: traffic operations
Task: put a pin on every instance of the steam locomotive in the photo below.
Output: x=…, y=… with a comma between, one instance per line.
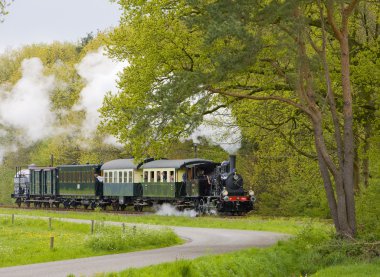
x=197, y=184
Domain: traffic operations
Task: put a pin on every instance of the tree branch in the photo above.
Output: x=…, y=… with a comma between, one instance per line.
x=330, y=19
x=348, y=10
x=263, y=98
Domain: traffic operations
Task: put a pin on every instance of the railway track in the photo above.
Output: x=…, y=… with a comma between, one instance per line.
x=125, y=212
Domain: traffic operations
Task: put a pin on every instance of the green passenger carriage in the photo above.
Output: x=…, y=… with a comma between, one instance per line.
x=121, y=182
x=169, y=179
x=78, y=183
x=43, y=184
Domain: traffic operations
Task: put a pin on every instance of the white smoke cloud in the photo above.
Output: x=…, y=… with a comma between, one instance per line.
x=99, y=73
x=220, y=129
x=169, y=210
x=27, y=106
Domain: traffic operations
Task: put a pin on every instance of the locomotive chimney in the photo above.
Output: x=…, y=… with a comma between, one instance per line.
x=232, y=163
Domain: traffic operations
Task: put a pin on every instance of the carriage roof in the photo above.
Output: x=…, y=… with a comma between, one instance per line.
x=120, y=164
x=176, y=163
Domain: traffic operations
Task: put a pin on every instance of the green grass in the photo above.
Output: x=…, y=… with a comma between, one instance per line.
x=351, y=270
x=251, y=222
x=311, y=252
x=28, y=240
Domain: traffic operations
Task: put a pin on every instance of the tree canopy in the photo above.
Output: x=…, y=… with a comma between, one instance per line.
x=191, y=58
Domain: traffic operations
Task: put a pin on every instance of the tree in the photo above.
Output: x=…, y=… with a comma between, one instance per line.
x=3, y=9
x=190, y=58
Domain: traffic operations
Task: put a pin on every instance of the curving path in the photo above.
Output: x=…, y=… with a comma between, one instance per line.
x=200, y=241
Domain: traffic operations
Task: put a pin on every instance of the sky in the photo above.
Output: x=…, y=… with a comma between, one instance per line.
x=36, y=21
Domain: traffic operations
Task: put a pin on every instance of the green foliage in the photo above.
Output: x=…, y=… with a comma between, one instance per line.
x=368, y=211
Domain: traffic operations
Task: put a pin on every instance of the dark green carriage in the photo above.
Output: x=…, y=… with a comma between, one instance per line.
x=121, y=179
x=80, y=181
x=169, y=179
x=43, y=181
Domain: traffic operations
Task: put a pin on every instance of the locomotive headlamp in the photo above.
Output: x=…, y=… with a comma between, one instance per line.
x=224, y=192
x=251, y=193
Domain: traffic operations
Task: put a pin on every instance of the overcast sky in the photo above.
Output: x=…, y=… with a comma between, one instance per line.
x=35, y=21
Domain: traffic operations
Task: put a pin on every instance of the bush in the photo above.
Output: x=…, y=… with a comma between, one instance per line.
x=114, y=239
x=368, y=212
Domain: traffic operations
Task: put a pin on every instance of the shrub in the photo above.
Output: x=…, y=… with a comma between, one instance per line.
x=114, y=239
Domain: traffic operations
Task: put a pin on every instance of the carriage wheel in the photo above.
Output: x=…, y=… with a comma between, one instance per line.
x=139, y=208
x=27, y=204
x=93, y=205
x=115, y=206
x=122, y=207
x=18, y=202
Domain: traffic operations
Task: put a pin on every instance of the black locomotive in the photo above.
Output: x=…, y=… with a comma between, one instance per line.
x=197, y=184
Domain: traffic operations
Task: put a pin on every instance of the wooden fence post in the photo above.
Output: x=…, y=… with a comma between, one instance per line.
x=51, y=243
x=123, y=228
x=49, y=223
x=13, y=219
x=92, y=226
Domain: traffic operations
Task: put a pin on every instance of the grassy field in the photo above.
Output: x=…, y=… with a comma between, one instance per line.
x=313, y=250
x=28, y=240
x=251, y=222
x=308, y=254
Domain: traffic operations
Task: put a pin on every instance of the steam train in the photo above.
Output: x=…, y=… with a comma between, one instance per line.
x=197, y=184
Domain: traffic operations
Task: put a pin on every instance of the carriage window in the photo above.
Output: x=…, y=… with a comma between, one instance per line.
x=110, y=177
x=115, y=177
x=165, y=176
x=151, y=176
x=158, y=176
x=124, y=177
x=171, y=176
x=105, y=176
x=121, y=176
x=146, y=176
x=130, y=175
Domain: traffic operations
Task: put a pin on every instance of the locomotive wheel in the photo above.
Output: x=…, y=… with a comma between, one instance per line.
x=27, y=204
x=196, y=205
x=18, y=202
x=202, y=207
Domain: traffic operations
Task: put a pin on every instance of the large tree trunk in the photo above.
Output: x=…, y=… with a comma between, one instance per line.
x=348, y=136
